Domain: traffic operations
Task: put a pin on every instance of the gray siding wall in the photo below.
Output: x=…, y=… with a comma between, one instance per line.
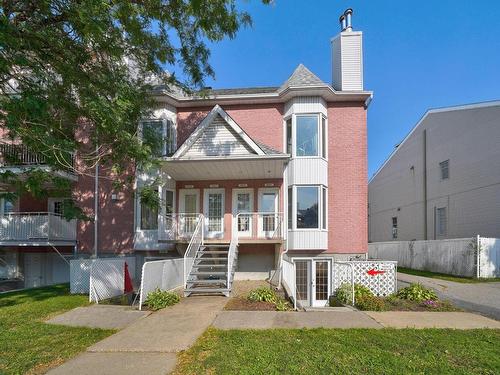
x=470, y=139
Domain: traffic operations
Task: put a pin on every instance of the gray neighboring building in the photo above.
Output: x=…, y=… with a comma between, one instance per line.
x=443, y=180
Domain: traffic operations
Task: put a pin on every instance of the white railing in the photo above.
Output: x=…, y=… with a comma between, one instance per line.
x=288, y=280
x=192, y=250
x=259, y=225
x=32, y=226
x=232, y=254
x=180, y=226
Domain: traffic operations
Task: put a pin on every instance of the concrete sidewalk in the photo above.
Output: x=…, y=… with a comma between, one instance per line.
x=477, y=297
x=149, y=345
x=351, y=319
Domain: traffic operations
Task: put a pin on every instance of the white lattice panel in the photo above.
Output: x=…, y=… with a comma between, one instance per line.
x=79, y=275
x=107, y=279
x=379, y=276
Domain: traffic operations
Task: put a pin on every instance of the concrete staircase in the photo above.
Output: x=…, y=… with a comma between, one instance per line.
x=209, y=273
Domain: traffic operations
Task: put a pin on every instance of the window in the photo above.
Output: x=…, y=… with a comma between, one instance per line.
x=289, y=136
x=307, y=136
x=290, y=207
x=149, y=217
x=444, y=166
x=7, y=206
x=169, y=202
x=307, y=207
x=323, y=137
x=441, y=221
x=159, y=135
x=325, y=208
x=394, y=228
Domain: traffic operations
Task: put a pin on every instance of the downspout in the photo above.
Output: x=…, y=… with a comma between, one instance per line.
x=425, y=183
x=96, y=206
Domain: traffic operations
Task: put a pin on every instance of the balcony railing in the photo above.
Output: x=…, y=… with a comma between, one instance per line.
x=36, y=226
x=248, y=226
x=20, y=155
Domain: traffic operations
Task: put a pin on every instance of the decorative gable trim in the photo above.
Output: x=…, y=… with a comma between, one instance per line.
x=196, y=134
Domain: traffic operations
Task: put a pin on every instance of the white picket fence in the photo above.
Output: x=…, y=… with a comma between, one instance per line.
x=471, y=257
x=165, y=274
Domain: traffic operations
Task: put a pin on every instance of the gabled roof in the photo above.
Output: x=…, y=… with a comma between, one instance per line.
x=302, y=77
x=237, y=138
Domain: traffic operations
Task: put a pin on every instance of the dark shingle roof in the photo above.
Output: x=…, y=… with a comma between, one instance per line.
x=302, y=77
x=268, y=150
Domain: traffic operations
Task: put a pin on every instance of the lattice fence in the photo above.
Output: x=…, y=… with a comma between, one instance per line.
x=107, y=279
x=164, y=274
x=79, y=275
x=379, y=276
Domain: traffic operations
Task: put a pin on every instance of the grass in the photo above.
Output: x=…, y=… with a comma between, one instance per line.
x=27, y=345
x=443, y=276
x=352, y=351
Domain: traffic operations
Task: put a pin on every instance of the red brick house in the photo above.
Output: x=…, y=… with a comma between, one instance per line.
x=262, y=174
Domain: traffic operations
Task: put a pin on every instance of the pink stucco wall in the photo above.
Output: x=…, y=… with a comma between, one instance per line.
x=347, y=178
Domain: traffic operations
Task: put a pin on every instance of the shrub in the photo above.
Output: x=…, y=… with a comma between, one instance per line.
x=282, y=305
x=159, y=299
x=262, y=294
x=418, y=293
x=370, y=303
x=344, y=292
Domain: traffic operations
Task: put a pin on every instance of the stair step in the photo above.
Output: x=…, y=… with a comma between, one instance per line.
x=208, y=281
x=213, y=252
x=215, y=245
x=208, y=273
x=211, y=258
x=207, y=290
x=210, y=265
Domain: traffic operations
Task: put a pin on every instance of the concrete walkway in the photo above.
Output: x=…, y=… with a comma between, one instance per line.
x=149, y=345
x=99, y=316
x=478, y=297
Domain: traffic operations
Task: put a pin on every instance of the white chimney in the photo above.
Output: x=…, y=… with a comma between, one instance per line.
x=347, y=56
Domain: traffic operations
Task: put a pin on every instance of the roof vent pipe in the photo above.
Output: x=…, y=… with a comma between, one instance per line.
x=348, y=19
x=342, y=23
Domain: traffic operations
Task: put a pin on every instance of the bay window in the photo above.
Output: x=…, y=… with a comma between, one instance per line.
x=307, y=207
x=159, y=135
x=306, y=136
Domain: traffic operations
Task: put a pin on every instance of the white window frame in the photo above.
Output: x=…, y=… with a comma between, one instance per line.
x=164, y=120
x=447, y=161
x=138, y=210
x=322, y=135
x=321, y=206
x=234, y=208
x=206, y=192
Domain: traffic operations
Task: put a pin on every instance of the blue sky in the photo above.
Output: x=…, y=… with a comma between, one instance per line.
x=417, y=55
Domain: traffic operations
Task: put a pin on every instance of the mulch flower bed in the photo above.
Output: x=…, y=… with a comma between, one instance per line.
x=243, y=304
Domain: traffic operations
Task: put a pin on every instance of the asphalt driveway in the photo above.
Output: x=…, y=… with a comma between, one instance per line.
x=483, y=298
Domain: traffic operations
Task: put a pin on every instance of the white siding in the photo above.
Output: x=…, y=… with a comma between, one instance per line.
x=308, y=171
x=305, y=104
x=347, y=57
x=218, y=139
x=469, y=138
x=307, y=240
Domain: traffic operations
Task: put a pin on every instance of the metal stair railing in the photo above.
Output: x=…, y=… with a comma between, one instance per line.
x=232, y=253
x=193, y=248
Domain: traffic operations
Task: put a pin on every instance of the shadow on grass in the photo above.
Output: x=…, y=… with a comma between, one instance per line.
x=33, y=295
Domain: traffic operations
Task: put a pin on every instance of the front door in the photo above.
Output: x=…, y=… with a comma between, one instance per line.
x=189, y=203
x=320, y=282
x=268, y=212
x=243, y=205
x=33, y=271
x=214, y=213
x=303, y=281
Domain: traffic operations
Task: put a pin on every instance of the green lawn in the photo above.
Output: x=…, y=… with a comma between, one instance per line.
x=352, y=351
x=443, y=276
x=29, y=345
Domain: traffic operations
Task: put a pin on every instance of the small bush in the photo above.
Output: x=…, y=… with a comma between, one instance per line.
x=159, y=299
x=370, y=303
x=282, y=305
x=344, y=292
x=418, y=293
x=262, y=294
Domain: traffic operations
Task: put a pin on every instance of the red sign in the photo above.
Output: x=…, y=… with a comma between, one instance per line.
x=374, y=272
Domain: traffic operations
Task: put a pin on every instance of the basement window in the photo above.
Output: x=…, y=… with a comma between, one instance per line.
x=394, y=227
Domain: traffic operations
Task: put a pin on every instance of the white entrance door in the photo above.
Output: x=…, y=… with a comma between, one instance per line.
x=320, y=282
x=268, y=212
x=214, y=213
x=189, y=207
x=243, y=205
x=303, y=281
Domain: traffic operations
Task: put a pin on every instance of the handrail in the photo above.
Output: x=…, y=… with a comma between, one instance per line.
x=231, y=255
x=194, y=246
x=260, y=223
x=28, y=226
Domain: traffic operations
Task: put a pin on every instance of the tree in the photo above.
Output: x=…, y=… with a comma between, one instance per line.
x=66, y=62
